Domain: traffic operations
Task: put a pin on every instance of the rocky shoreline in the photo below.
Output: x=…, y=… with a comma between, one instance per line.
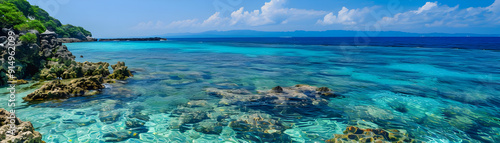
x=133, y=39
x=49, y=62
x=73, y=40
x=25, y=132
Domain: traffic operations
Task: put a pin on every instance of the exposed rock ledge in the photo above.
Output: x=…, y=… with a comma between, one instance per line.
x=72, y=40
x=58, y=90
x=90, y=84
x=25, y=132
x=135, y=39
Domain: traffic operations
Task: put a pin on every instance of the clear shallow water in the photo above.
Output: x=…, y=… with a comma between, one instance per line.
x=435, y=94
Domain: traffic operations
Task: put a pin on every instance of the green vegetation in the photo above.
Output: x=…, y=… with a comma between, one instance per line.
x=28, y=38
x=23, y=16
x=32, y=24
x=10, y=15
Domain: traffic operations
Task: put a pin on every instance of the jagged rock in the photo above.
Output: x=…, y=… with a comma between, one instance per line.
x=25, y=132
x=27, y=59
x=51, y=48
x=75, y=70
x=278, y=89
x=120, y=71
x=58, y=90
x=31, y=58
x=323, y=89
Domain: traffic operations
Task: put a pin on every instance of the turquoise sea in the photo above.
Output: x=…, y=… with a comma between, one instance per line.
x=435, y=94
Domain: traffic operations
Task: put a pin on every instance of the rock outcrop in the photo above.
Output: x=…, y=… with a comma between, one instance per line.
x=31, y=58
x=58, y=90
x=120, y=71
x=25, y=132
x=51, y=48
x=75, y=70
x=27, y=57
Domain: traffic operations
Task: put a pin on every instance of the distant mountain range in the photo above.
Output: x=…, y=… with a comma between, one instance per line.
x=329, y=33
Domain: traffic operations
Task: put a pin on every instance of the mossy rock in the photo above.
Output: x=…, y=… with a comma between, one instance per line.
x=120, y=71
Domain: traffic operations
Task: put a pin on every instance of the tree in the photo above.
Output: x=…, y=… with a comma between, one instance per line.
x=50, y=25
x=10, y=15
x=13, y=14
x=23, y=6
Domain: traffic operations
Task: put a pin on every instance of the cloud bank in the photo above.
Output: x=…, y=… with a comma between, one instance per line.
x=275, y=13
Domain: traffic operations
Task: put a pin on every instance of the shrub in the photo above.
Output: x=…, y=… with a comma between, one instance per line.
x=37, y=25
x=28, y=38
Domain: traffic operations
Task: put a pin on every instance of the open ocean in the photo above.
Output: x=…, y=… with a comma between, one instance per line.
x=435, y=89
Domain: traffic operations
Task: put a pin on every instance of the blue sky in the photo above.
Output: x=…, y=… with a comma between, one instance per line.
x=126, y=18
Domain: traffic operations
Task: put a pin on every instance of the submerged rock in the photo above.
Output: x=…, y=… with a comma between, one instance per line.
x=109, y=116
x=355, y=134
x=25, y=132
x=119, y=136
x=210, y=127
x=260, y=127
x=299, y=99
x=300, y=95
x=58, y=90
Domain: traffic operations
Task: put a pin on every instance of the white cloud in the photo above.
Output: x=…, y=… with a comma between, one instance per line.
x=183, y=23
x=346, y=16
x=150, y=25
x=428, y=6
x=495, y=7
x=272, y=12
x=275, y=15
x=214, y=20
x=434, y=15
